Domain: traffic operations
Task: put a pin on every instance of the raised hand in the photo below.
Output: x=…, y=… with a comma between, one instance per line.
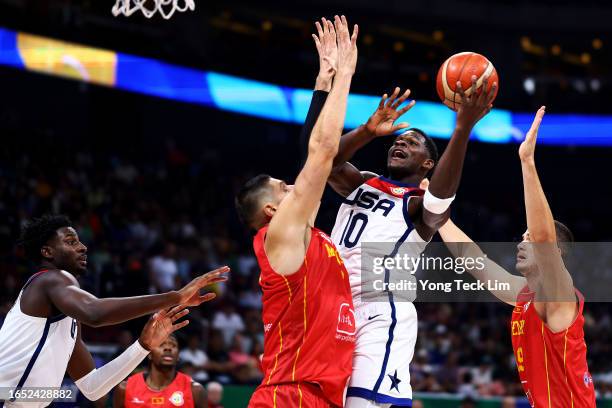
x=382, y=121
x=161, y=324
x=473, y=106
x=190, y=294
x=527, y=148
x=325, y=41
x=347, y=46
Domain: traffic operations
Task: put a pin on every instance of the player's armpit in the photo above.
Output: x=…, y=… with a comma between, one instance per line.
x=285, y=242
x=287, y=237
x=557, y=288
x=345, y=178
x=119, y=395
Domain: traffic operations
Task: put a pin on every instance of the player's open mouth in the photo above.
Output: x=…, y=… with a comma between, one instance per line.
x=398, y=154
x=83, y=260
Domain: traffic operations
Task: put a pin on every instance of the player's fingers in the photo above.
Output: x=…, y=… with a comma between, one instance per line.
x=459, y=90
x=319, y=29
x=392, y=98
x=342, y=29
x=180, y=325
x=207, y=297
x=474, y=85
x=179, y=315
x=338, y=24
x=401, y=99
x=381, y=104
x=484, y=93
x=331, y=28
x=317, y=42
x=344, y=22
x=406, y=108
x=216, y=272
x=355, y=35
x=535, y=126
x=176, y=309
x=208, y=282
x=400, y=126
x=424, y=184
x=492, y=93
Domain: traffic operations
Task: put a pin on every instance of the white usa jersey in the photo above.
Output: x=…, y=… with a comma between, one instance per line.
x=34, y=351
x=377, y=212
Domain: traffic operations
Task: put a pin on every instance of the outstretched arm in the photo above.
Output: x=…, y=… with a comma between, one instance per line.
x=288, y=233
x=557, y=287
x=461, y=245
x=65, y=294
x=345, y=177
x=325, y=42
x=96, y=383
x=446, y=177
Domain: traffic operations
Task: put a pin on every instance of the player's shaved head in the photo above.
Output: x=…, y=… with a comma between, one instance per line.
x=250, y=199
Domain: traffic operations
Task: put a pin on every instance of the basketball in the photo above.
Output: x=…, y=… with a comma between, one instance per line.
x=461, y=67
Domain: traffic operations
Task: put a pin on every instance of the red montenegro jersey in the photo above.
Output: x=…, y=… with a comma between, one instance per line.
x=309, y=321
x=176, y=394
x=552, y=366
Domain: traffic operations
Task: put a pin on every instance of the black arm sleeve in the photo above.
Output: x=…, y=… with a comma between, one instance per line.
x=316, y=105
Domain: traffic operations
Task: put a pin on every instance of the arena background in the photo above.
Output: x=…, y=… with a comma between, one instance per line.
x=150, y=181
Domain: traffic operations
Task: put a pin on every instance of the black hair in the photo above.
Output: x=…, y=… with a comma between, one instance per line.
x=564, y=239
x=430, y=145
x=38, y=231
x=247, y=199
x=563, y=232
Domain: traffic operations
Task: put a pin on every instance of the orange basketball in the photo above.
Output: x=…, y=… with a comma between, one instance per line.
x=461, y=67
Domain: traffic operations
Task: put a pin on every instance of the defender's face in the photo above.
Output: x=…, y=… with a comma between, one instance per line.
x=280, y=191
x=525, y=261
x=166, y=354
x=408, y=153
x=67, y=252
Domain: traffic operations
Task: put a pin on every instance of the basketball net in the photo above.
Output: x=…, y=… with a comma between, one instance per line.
x=164, y=7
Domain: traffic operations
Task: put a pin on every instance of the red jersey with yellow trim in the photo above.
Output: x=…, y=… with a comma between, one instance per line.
x=552, y=366
x=176, y=394
x=309, y=321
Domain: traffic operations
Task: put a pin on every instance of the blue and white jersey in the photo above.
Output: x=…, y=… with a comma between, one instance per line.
x=376, y=212
x=34, y=351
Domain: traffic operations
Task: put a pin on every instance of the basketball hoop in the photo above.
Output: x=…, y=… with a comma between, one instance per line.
x=165, y=7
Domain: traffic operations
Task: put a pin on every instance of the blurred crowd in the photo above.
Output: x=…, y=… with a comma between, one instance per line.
x=156, y=219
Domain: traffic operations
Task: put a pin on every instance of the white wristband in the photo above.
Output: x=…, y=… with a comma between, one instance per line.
x=436, y=205
x=99, y=382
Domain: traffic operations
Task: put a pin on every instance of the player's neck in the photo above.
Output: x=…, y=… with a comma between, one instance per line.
x=414, y=179
x=534, y=283
x=160, y=378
